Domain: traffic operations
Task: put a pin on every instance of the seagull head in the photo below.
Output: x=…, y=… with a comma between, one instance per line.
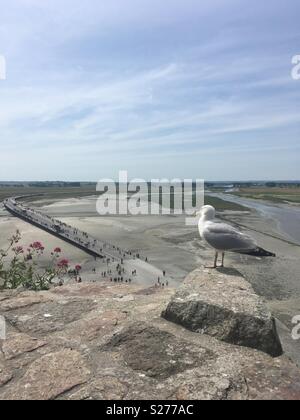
x=206, y=213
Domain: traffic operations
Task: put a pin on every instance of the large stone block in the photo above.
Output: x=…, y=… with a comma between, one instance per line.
x=224, y=306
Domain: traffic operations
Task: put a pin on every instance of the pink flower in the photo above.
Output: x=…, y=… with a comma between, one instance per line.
x=78, y=267
x=63, y=263
x=18, y=250
x=57, y=250
x=37, y=246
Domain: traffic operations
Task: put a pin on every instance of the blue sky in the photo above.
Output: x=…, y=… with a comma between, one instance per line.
x=173, y=88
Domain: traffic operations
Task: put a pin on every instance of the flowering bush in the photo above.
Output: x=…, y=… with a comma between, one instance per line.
x=63, y=263
x=19, y=267
x=37, y=246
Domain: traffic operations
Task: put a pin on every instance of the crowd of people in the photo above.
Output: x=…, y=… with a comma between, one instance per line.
x=65, y=231
x=111, y=255
x=116, y=273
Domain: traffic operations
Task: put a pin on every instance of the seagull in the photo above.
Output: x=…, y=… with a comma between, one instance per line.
x=225, y=238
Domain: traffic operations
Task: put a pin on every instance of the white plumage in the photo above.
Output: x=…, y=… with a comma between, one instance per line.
x=225, y=238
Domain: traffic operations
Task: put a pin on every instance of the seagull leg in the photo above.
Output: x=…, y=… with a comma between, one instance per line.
x=223, y=258
x=216, y=260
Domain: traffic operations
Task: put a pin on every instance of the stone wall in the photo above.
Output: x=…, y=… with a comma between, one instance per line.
x=103, y=341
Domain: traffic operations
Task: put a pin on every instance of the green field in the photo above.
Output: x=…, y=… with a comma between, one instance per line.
x=275, y=195
x=221, y=205
x=50, y=193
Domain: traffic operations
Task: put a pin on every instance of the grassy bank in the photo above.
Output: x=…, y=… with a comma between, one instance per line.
x=275, y=195
x=221, y=205
x=49, y=193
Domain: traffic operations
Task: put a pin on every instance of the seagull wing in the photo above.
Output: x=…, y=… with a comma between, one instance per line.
x=226, y=238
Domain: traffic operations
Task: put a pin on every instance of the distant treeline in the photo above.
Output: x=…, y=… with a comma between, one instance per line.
x=48, y=184
x=216, y=184
x=270, y=184
x=54, y=184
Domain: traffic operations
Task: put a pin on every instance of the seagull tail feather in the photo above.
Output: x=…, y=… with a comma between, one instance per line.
x=257, y=252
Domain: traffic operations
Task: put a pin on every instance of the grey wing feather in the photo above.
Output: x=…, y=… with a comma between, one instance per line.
x=227, y=238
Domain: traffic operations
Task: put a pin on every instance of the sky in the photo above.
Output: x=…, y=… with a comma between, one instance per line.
x=173, y=89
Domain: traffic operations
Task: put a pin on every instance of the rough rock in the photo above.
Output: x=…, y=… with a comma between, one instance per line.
x=50, y=376
x=157, y=353
x=105, y=341
x=47, y=317
x=5, y=374
x=25, y=300
x=16, y=344
x=225, y=307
